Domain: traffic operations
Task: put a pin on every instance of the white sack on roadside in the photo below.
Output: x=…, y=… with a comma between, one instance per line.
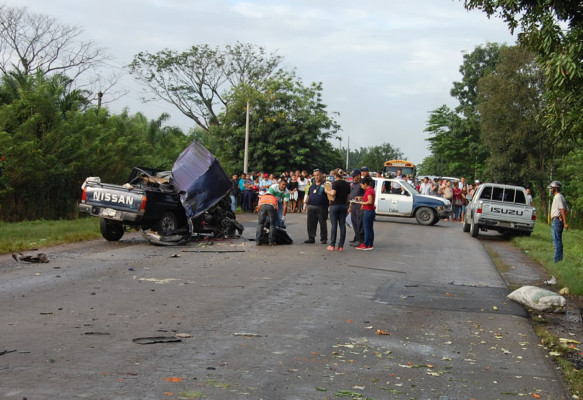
x=539, y=299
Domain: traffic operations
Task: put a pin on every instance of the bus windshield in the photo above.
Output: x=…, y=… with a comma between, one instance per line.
x=392, y=166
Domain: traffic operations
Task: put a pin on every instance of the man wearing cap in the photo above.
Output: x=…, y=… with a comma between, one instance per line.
x=355, y=209
x=559, y=211
x=364, y=172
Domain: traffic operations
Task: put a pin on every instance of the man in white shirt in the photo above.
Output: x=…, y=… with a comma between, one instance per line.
x=559, y=212
x=396, y=186
x=425, y=187
x=280, y=191
x=528, y=198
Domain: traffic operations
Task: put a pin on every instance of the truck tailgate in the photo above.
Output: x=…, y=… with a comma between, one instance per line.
x=112, y=202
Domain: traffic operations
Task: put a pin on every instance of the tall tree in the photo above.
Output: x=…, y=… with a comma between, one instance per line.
x=32, y=43
x=446, y=143
x=290, y=127
x=456, y=146
x=197, y=81
x=510, y=101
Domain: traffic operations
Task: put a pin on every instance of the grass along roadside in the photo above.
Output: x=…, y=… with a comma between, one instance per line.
x=29, y=235
x=539, y=247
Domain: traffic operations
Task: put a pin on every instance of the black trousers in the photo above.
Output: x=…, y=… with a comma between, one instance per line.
x=356, y=217
x=266, y=211
x=318, y=215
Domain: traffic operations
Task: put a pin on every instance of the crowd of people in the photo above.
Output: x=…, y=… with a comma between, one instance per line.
x=458, y=192
x=247, y=189
x=351, y=197
x=339, y=195
x=316, y=194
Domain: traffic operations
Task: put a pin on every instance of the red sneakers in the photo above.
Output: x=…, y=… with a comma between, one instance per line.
x=363, y=247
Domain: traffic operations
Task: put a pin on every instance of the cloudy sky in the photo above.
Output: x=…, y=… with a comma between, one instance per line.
x=384, y=64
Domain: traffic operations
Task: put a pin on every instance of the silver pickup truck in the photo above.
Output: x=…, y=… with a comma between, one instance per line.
x=501, y=208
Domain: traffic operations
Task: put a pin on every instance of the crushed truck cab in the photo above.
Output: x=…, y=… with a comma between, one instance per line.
x=192, y=199
x=407, y=202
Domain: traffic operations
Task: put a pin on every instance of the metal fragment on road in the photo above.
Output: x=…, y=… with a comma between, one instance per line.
x=156, y=339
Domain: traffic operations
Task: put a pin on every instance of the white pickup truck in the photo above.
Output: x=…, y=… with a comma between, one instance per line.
x=407, y=202
x=502, y=208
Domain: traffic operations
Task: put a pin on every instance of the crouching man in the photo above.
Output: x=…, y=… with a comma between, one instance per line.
x=267, y=210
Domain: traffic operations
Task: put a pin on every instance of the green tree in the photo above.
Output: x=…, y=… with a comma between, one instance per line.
x=455, y=143
x=374, y=157
x=570, y=173
x=51, y=143
x=553, y=30
x=290, y=127
x=510, y=101
x=197, y=81
x=446, y=144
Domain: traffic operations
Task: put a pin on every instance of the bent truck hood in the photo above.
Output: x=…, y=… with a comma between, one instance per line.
x=200, y=179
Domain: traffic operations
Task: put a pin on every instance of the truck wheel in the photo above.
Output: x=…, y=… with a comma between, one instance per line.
x=167, y=223
x=425, y=216
x=474, y=229
x=466, y=226
x=111, y=231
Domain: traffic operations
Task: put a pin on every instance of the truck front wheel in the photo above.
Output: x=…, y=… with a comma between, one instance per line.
x=425, y=216
x=111, y=231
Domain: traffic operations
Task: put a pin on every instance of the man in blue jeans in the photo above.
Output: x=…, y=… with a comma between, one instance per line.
x=559, y=212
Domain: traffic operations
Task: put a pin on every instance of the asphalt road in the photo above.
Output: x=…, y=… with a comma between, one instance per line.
x=422, y=316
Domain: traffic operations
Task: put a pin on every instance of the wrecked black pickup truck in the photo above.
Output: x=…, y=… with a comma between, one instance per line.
x=169, y=207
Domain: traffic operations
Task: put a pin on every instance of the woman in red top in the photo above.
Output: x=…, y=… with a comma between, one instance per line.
x=457, y=202
x=368, y=213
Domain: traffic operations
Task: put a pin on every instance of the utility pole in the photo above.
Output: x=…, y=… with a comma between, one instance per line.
x=246, y=140
x=347, y=152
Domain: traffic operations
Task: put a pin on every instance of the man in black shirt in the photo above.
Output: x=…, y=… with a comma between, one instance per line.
x=340, y=192
x=317, y=202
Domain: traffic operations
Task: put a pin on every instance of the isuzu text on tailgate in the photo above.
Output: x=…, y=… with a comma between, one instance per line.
x=501, y=208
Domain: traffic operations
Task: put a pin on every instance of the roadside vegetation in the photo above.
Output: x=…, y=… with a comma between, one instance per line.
x=539, y=247
x=21, y=236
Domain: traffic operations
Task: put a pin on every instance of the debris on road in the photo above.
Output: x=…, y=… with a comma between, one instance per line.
x=247, y=334
x=39, y=258
x=156, y=339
